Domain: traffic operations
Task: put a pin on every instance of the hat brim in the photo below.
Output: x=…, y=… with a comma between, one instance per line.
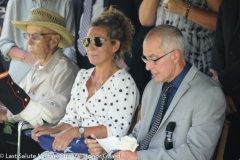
x=67, y=39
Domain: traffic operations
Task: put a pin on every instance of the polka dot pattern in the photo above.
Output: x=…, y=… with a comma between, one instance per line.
x=109, y=106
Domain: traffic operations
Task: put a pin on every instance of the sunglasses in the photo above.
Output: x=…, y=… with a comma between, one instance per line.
x=35, y=36
x=97, y=41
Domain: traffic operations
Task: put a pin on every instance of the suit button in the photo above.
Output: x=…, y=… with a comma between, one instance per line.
x=231, y=52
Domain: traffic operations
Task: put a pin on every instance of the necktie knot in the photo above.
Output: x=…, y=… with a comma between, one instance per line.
x=167, y=86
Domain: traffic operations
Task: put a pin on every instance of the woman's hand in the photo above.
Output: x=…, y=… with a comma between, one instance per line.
x=93, y=146
x=63, y=139
x=41, y=130
x=176, y=7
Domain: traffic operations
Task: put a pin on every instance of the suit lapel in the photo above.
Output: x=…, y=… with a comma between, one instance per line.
x=180, y=92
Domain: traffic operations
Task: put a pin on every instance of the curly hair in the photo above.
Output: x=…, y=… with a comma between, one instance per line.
x=119, y=28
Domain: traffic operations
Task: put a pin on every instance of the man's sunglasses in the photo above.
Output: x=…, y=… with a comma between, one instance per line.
x=97, y=41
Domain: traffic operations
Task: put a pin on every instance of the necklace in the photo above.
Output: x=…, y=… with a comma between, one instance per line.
x=97, y=86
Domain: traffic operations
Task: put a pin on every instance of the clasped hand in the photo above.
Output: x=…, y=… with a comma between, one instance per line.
x=61, y=139
x=94, y=148
x=176, y=7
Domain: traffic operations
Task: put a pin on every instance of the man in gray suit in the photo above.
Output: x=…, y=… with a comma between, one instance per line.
x=183, y=122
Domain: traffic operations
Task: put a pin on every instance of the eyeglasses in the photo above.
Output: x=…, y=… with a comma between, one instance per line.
x=35, y=36
x=97, y=41
x=154, y=61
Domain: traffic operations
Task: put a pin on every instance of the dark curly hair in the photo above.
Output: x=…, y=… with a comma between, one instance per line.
x=119, y=27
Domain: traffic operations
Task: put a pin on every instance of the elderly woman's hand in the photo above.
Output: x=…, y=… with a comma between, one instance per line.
x=63, y=139
x=93, y=146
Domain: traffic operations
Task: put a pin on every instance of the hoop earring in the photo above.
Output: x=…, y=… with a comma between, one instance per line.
x=115, y=57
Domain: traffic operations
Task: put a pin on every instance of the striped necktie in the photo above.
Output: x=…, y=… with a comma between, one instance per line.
x=157, y=121
x=84, y=26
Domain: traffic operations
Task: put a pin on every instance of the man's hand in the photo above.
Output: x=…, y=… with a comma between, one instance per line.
x=35, y=113
x=29, y=59
x=3, y=117
x=93, y=146
x=41, y=130
x=126, y=155
x=3, y=112
x=231, y=108
x=215, y=75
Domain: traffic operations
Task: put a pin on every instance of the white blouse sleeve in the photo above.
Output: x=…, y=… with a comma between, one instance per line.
x=123, y=101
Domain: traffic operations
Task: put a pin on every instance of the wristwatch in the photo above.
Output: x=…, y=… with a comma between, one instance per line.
x=81, y=131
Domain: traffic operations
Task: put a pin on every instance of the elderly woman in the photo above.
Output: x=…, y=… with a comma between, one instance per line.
x=103, y=98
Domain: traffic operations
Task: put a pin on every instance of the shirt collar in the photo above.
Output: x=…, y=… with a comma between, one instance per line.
x=40, y=3
x=52, y=62
x=178, y=80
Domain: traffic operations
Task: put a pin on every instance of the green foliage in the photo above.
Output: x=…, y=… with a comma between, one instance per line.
x=8, y=127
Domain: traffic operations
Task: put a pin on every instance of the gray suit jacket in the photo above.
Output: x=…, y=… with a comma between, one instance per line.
x=198, y=109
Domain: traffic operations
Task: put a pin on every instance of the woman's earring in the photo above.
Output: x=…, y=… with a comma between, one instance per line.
x=115, y=57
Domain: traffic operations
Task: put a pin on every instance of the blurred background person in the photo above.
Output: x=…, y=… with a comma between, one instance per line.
x=195, y=18
x=226, y=70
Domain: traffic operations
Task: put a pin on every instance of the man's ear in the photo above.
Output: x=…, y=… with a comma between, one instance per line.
x=116, y=46
x=176, y=54
x=55, y=40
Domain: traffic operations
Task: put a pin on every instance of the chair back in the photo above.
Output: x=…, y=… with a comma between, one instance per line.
x=219, y=151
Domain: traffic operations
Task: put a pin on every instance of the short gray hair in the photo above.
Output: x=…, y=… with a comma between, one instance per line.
x=171, y=38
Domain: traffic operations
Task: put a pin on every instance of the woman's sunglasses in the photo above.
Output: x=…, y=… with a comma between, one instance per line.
x=97, y=41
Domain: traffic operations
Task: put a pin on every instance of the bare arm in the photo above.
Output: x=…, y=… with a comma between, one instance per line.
x=21, y=55
x=17, y=53
x=207, y=19
x=148, y=12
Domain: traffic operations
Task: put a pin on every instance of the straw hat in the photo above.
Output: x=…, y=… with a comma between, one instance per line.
x=49, y=19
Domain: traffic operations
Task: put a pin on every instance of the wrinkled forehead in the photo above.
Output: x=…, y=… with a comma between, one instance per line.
x=37, y=29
